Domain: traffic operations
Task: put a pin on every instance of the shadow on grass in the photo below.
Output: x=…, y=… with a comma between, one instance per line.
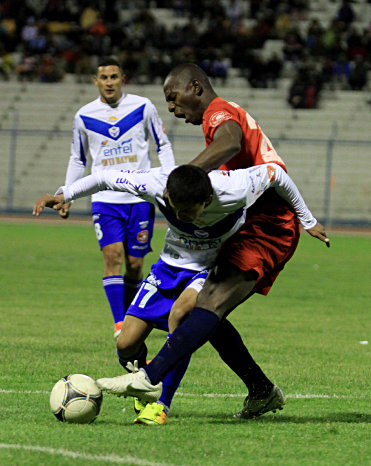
x=348, y=418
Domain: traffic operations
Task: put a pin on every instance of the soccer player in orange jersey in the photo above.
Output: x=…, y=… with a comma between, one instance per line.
x=251, y=260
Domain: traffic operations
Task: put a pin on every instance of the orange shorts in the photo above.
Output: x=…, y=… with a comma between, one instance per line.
x=263, y=244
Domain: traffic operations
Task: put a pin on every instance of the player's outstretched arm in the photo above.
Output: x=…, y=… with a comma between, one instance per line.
x=47, y=200
x=318, y=231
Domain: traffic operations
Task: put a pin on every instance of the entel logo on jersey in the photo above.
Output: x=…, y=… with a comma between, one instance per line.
x=218, y=117
x=125, y=147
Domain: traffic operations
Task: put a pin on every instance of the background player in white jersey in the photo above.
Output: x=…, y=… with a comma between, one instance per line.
x=114, y=130
x=200, y=220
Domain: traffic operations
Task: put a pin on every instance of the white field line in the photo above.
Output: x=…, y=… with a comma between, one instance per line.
x=74, y=454
x=213, y=395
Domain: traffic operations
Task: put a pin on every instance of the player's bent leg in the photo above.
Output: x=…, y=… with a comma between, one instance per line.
x=225, y=288
x=130, y=343
x=132, y=349
x=182, y=307
x=254, y=407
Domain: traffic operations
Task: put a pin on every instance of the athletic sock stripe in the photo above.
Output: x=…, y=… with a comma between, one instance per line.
x=112, y=281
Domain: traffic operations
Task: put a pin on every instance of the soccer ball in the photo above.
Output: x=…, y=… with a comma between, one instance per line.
x=76, y=398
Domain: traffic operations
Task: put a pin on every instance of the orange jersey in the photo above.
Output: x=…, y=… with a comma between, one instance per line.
x=256, y=148
x=270, y=234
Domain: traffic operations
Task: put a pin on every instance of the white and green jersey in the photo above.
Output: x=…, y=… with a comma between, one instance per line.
x=117, y=136
x=195, y=245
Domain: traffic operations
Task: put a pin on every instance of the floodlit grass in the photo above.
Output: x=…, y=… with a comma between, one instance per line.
x=306, y=335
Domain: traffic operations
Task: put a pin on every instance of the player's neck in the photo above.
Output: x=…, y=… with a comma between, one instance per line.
x=209, y=97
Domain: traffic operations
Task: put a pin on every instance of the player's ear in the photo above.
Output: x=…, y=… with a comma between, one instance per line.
x=165, y=195
x=197, y=87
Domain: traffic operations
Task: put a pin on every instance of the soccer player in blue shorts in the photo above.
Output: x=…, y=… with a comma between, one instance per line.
x=114, y=129
x=150, y=309
x=200, y=219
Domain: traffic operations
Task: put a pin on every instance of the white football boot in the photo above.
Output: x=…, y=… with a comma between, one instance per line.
x=133, y=384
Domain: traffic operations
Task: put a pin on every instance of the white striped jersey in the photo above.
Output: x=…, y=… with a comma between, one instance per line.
x=117, y=136
x=195, y=245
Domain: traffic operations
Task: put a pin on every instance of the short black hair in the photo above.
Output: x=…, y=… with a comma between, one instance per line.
x=109, y=61
x=189, y=184
x=187, y=72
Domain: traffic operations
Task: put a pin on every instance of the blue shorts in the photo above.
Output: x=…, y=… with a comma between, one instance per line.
x=160, y=289
x=130, y=223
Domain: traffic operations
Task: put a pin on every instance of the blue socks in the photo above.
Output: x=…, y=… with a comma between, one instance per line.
x=172, y=380
x=120, y=293
x=185, y=339
x=114, y=288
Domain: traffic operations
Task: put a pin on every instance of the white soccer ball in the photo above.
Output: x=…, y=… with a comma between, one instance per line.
x=76, y=398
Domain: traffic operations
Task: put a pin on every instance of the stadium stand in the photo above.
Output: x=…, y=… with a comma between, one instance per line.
x=329, y=143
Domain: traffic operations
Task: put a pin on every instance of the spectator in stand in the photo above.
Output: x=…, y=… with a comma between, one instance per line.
x=296, y=96
x=50, y=71
x=29, y=31
x=234, y=12
x=305, y=89
x=273, y=69
x=257, y=75
x=314, y=37
x=215, y=26
x=88, y=17
x=345, y=13
x=356, y=45
x=358, y=74
x=283, y=24
x=27, y=68
x=6, y=64
x=293, y=45
x=331, y=40
x=342, y=70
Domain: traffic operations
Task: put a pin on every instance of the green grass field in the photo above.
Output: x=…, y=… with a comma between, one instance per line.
x=305, y=334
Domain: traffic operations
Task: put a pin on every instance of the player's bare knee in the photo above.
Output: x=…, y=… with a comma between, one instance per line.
x=113, y=259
